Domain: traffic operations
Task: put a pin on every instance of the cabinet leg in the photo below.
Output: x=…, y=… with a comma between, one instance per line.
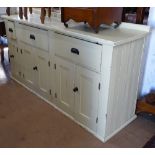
x=21, y=12
x=96, y=30
x=42, y=16
x=8, y=11
x=25, y=13
x=49, y=12
x=116, y=25
x=30, y=10
x=65, y=24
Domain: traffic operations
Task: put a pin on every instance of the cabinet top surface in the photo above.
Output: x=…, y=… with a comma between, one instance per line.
x=107, y=35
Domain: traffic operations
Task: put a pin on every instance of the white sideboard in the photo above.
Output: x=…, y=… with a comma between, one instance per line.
x=92, y=78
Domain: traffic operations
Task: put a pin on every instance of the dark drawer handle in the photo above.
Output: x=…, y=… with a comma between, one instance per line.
x=10, y=30
x=75, y=89
x=11, y=56
x=32, y=36
x=75, y=51
x=35, y=68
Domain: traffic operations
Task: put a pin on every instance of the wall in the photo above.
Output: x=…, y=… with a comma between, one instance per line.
x=2, y=10
x=148, y=82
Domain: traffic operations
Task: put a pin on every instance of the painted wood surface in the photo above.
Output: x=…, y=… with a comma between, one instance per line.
x=127, y=31
x=103, y=109
x=87, y=97
x=123, y=84
x=65, y=75
x=42, y=72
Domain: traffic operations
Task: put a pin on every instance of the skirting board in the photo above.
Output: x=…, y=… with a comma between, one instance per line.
x=123, y=126
x=57, y=108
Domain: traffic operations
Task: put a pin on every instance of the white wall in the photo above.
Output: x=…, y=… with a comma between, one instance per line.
x=2, y=10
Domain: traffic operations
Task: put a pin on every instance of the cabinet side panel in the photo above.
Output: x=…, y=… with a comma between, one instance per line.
x=123, y=85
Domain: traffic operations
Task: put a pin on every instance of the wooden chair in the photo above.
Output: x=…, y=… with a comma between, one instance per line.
x=138, y=14
x=147, y=104
x=24, y=12
x=43, y=14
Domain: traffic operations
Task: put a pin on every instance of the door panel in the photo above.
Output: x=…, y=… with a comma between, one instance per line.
x=42, y=59
x=65, y=84
x=87, y=97
x=28, y=60
x=14, y=60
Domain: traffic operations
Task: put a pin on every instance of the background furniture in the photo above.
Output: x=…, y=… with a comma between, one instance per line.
x=137, y=15
x=93, y=16
x=2, y=28
x=146, y=104
x=24, y=12
x=3, y=42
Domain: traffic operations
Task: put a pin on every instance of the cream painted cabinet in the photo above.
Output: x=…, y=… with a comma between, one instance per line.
x=87, y=97
x=91, y=77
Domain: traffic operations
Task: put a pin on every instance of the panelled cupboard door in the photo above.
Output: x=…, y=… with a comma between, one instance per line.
x=14, y=60
x=27, y=61
x=43, y=69
x=87, y=97
x=65, y=84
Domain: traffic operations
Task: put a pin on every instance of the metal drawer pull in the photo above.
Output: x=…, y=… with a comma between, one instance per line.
x=35, y=68
x=75, y=51
x=32, y=36
x=10, y=30
x=75, y=89
x=11, y=56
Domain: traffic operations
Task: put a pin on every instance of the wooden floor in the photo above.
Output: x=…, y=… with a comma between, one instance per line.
x=28, y=121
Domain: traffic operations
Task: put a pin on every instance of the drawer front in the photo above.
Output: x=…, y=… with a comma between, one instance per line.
x=81, y=52
x=33, y=36
x=10, y=30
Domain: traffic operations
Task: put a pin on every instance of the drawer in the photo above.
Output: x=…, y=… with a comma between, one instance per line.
x=33, y=36
x=81, y=52
x=10, y=30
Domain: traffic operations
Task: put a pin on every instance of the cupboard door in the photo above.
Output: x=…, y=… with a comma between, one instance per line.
x=65, y=84
x=10, y=30
x=42, y=64
x=14, y=60
x=27, y=61
x=87, y=97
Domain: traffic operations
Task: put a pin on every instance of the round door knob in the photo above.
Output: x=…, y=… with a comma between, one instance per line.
x=75, y=89
x=11, y=56
x=35, y=68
